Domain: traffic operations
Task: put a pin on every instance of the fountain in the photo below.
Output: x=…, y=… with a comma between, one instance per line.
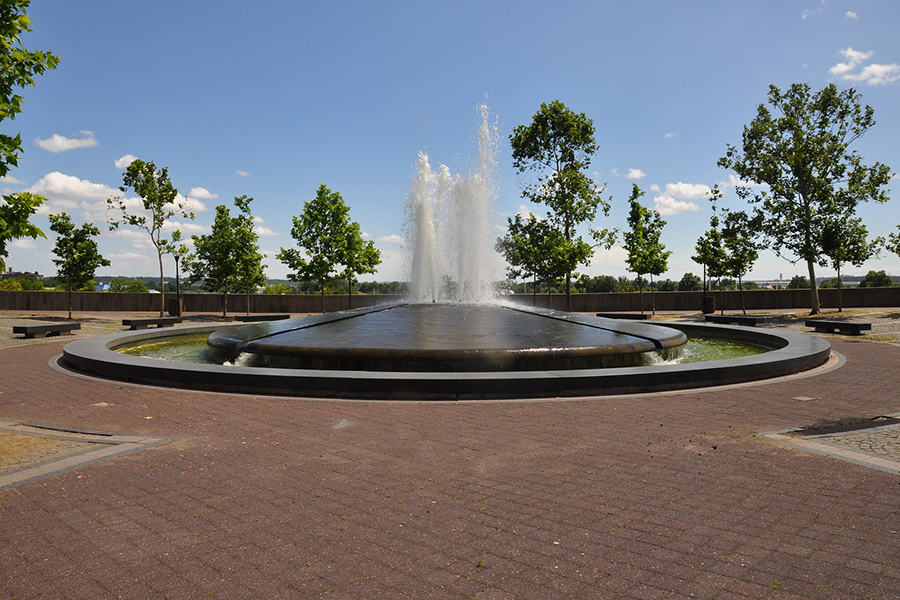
x=452, y=339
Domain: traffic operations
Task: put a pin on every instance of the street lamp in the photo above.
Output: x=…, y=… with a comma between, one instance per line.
x=177, y=287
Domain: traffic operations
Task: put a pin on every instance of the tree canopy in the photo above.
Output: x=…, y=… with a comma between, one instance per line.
x=79, y=257
x=798, y=150
x=558, y=146
x=160, y=202
x=18, y=68
x=646, y=253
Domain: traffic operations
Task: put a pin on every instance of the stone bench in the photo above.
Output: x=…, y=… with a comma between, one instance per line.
x=736, y=319
x=47, y=329
x=256, y=318
x=156, y=322
x=629, y=316
x=829, y=326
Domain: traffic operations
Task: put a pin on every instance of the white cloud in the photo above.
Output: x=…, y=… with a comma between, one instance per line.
x=391, y=239
x=667, y=202
x=654, y=187
x=265, y=231
x=851, y=15
x=243, y=173
x=812, y=12
x=23, y=244
x=11, y=180
x=670, y=135
x=58, y=143
x=667, y=205
x=188, y=204
x=526, y=212
x=873, y=74
x=126, y=160
x=60, y=188
x=202, y=193
x=635, y=174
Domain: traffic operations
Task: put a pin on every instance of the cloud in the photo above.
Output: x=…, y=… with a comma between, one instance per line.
x=670, y=135
x=202, y=193
x=667, y=202
x=23, y=244
x=812, y=12
x=126, y=160
x=69, y=192
x=391, y=239
x=58, y=143
x=635, y=174
x=243, y=173
x=188, y=204
x=265, y=231
x=872, y=74
x=851, y=15
x=11, y=180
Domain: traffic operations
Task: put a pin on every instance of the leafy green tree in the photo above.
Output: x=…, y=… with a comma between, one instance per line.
x=160, y=203
x=876, y=279
x=535, y=248
x=802, y=157
x=740, y=246
x=690, y=283
x=798, y=282
x=78, y=255
x=846, y=240
x=323, y=232
x=277, y=288
x=10, y=284
x=18, y=68
x=359, y=257
x=558, y=146
x=228, y=259
x=646, y=254
x=121, y=284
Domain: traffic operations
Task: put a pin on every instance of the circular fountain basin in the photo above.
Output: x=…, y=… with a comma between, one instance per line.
x=791, y=353
x=449, y=338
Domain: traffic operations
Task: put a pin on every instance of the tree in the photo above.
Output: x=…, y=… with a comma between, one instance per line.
x=535, y=248
x=845, y=240
x=740, y=247
x=78, y=255
x=690, y=283
x=228, y=259
x=120, y=284
x=876, y=279
x=18, y=68
x=359, y=257
x=646, y=254
x=160, y=202
x=798, y=282
x=558, y=146
x=809, y=174
x=322, y=232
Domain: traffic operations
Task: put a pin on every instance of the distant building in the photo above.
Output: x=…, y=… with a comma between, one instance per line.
x=10, y=274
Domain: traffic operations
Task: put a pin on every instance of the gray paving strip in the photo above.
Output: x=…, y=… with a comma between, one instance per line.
x=876, y=447
x=108, y=445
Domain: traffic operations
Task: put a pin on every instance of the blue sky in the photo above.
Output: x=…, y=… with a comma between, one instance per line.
x=271, y=99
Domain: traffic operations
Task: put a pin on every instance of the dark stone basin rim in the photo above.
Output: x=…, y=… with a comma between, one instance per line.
x=795, y=353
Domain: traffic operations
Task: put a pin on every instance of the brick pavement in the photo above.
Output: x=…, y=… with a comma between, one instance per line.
x=674, y=496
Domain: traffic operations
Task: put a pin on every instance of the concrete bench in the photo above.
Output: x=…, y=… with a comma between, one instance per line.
x=828, y=326
x=629, y=316
x=255, y=318
x=47, y=329
x=736, y=319
x=156, y=322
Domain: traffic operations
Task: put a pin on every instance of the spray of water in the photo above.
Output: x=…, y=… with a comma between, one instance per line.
x=450, y=226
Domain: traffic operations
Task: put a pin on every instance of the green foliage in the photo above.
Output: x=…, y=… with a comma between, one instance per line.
x=558, y=146
x=646, y=254
x=121, y=284
x=690, y=283
x=228, y=259
x=160, y=203
x=275, y=289
x=809, y=174
x=10, y=285
x=798, y=282
x=78, y=255
x=327, y=240
x=876, y=279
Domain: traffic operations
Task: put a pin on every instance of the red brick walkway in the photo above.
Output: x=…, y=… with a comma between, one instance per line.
x=672, y=496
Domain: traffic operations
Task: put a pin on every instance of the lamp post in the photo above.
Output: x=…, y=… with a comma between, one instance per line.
x=177, y=287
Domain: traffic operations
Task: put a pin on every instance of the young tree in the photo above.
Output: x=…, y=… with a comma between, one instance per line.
x=18, y=68
x=845, y=240
x=739, y=246
x=321, y=232
x=535, y=248
x=160, y=202
x=876, y=279
x=359, y=257
x=78, y=256
x=558, y=146
x=690, y=283
x=228, y=259
x=803, y=159
x=646, y=254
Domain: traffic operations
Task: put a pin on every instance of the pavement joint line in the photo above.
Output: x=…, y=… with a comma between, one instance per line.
x=818, y=446
x=110, y=445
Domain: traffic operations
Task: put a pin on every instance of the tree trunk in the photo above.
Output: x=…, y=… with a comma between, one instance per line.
x=349, y=293
x=534, y=291
x=721, y=297
x=162, y=288
x=813, y=290
x=840, y=300
x=641, y=291
x=652, y=297
x=741, y=288
x=569, y=292
x=70, y=302
x=224, y=303
x=549, y=295
x=248, y=301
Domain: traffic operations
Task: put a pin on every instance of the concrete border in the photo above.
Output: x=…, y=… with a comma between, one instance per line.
x=794, y=353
